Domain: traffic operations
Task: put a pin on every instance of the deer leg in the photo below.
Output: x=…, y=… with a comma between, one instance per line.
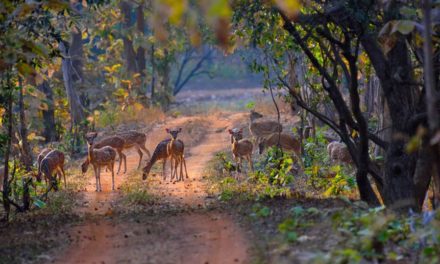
x=181, y=168
x=163, y=168
x=125, y=162
x=64, y=176
x=113, y=174
x=120, y=160
x=176, y=165
x=172, y=162
x=99, y=179
x=140, y=155
x=96, y=177
x=145, y=150
x=251, y=164
x=54, y=182
x=184, y=164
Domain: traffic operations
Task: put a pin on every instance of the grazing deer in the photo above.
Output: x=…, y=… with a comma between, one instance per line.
x=286, y=142
x=101, y=157
x=241, y=148
x=117, y=143
x=52, y=162
x=41, y=156
x=137, y=140
x=160, y=153
x=263, y=128
x=175, y=151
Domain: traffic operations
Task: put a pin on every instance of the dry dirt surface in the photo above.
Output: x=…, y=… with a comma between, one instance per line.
x=192, y=235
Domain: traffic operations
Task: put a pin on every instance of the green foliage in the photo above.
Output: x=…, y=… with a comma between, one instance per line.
x=276, y=168
x=250, y=105
x=333, y=180
x=260, y=211
x=299, y=218
x=223, y=183
x=381, y=236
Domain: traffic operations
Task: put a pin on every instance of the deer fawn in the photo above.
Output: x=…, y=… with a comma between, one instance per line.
x=241, y=148
x=52, y=162
x=104, y=156
x=117, y=143
x=260, y=129
x=160, y=153
x=137, y=140
x=175, y=151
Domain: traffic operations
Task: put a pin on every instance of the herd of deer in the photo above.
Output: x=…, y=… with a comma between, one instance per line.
x=266, y=133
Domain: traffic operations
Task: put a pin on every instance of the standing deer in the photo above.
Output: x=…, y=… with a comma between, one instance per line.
x=160, y=153
x=104, y=156
x=52, y=162
x=263, y=128
x=175, y=151
x=286, y=142
x=241, y=148
x=117, y=143
x=137, y=140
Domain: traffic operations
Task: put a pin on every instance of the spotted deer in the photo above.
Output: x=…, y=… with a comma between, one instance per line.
x=175, y=151
x=117, y=143
x=52, y=162
x=286, y=141
x=262, y=128
x=137, y=140
x=160, y=153
x=241, y=148
x=101, y=157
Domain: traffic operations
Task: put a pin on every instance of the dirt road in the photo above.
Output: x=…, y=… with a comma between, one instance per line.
x=195, y=236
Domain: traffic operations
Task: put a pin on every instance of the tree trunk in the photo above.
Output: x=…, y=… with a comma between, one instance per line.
x=25, y=149
x=153, y=74
x=395, y=74
x=76, y=110
x=5, y=193
x=129, y=53
x=140, y=54
x=76, y=48
x=50, y=132
x=432, y=95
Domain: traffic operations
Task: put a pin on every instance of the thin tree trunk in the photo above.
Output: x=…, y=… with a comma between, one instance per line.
x=140, y=54
x=50, y=132
x=26, y=154
x=76, y=110
x=76, y=48
x=153, y=74
x=129, y=53
x=6, y=203
x=432, y=95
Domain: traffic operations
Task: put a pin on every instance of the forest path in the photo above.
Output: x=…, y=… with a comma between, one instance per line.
x=188, y=236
